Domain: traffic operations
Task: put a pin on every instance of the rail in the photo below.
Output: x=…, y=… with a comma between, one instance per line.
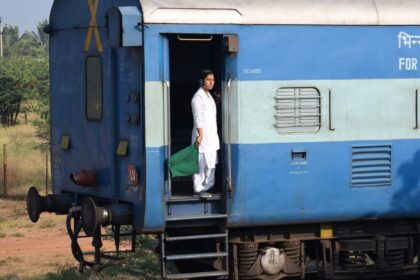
x=167, y=128
x=228, y=131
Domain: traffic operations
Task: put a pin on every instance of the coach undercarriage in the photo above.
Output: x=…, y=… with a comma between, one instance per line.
x=351, y=250
x=201, y=246
x=268, y=254
x=362, y=250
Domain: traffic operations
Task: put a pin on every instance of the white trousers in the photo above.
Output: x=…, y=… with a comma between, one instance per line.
x=204, y=180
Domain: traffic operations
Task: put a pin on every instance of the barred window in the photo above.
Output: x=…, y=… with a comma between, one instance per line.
x=297, y=110
x=94, y=88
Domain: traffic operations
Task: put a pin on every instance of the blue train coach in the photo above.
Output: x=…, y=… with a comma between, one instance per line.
x=320, y=162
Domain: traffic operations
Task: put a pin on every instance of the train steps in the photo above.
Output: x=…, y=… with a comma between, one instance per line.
x=222, y=255
x=184, y=212
x=191, y=211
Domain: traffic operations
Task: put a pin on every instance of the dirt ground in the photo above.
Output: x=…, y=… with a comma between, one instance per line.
x=29, y=250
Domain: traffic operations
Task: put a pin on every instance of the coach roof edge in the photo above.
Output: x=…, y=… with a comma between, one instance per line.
x=320, y=12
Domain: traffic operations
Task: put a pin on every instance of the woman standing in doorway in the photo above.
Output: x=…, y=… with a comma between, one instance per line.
x=205, y=135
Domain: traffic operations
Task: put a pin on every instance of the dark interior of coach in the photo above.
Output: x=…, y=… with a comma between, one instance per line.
x=189, y=55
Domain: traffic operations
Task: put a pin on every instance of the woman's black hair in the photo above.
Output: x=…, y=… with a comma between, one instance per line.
x=205, y=73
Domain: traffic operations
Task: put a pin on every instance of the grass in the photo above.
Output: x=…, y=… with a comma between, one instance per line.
x=12, y=276
x=13, y=259
x=65, y=273
x=17, y=234
x=15, y=224
x=47, y=223
x=143, y=265
x=25, y=162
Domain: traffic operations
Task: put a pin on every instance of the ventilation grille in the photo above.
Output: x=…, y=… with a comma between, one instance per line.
x=371, y=166
x=297, y=110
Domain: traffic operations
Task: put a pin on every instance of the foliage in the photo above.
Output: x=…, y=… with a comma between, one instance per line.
x=28, y=44
x=10, y=38
x=24, y=78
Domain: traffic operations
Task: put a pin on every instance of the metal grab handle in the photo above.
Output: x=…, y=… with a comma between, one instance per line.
x=330, y=111
x=195, y=39
x=168, y=115
x=167, y=129
x=416, y=109
x=229, y=152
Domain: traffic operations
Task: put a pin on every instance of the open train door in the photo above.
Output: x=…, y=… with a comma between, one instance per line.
x=188, y=55
x=198, y=223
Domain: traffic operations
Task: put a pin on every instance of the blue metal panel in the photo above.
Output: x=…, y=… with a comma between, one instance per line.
x=154, y=67
x=89, y=140
x=129, y=88
x=342, y=52
x=154, y=44
x=154, y=217
x=131, y=26
x=93, y=145
x=287, y=52
x=275, y=190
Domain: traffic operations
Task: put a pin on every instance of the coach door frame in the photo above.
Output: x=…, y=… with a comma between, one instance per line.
x=166, y=84
x=166, y=111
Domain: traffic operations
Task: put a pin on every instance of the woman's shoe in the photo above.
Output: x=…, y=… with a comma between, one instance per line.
x=204, y=194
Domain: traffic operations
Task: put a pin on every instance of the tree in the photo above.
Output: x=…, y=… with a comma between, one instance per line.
x=43, y=37
x=10, y=38
x=41, y=102
x=24, y=77
x=23, y=73
x=21, y=79
x=11, y=85
x=29, y=44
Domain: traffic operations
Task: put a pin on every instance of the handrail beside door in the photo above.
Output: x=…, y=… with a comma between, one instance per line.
x=229, y=149
x=167, y=129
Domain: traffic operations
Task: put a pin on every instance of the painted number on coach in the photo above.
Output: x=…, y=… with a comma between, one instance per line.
x=252, y=71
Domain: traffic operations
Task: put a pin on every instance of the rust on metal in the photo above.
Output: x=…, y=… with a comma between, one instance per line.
x=84, y=178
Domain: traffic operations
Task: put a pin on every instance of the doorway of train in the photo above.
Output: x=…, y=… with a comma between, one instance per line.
x=189, y=55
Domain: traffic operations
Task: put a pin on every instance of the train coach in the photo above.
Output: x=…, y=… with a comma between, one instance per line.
x=320, y=161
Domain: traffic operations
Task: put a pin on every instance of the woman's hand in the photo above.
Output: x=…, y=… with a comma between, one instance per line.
x=199, y=137
x=198, y=140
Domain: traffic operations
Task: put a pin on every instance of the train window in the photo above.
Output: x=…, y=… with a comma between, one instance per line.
x=297, y=110
x=94, y=88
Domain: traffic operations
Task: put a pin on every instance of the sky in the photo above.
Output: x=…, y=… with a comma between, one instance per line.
x=24, y=13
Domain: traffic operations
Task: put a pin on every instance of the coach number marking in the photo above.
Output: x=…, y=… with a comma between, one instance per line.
x=252, y=71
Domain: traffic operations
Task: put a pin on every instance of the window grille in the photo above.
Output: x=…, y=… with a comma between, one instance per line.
x=94, y=88
x=297, y=110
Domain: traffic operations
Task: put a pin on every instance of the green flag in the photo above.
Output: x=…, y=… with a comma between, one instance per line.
x=184, y=162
